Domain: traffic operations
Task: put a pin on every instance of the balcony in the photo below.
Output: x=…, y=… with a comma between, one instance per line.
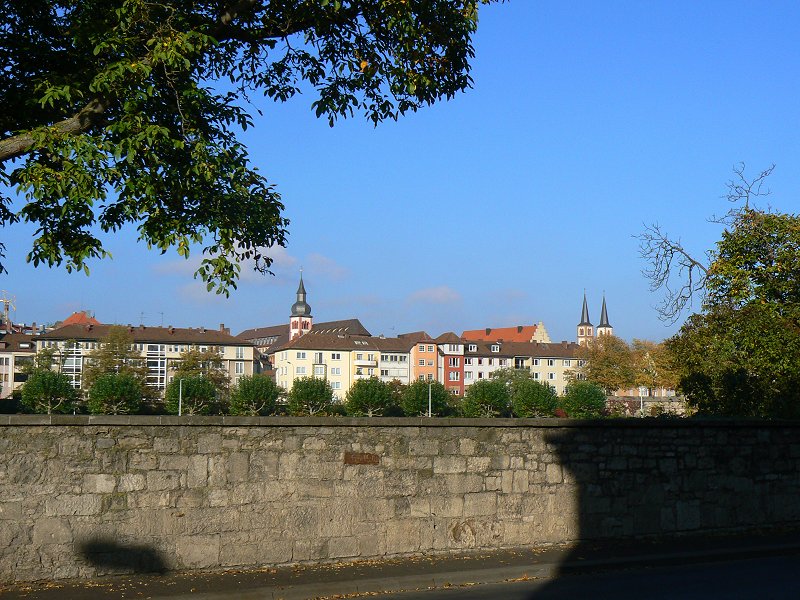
x=365, y=363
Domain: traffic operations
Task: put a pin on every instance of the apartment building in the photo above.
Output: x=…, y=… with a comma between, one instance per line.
x=160, y=347
x=16, y=350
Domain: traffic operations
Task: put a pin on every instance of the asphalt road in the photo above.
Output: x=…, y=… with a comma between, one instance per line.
x=772, y=578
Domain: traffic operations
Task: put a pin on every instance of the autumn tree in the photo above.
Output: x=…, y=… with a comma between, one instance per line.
x=654, y=365
x=127, y=113
x=114, y=355
x=205, y=363
x=608, y=362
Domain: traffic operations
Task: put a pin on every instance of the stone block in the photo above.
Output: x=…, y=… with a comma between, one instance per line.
x=238, y=467
x=313, y=549
x=166, y=445
x=480, y=503
x=172, y=462
x=73, y=505
x=209, y=443
x=130, y=482
x=163, y=480
x=449, y=464
x=197, y=471
x=450, y=506
x=343, y=547
x=99, y=483
x=51, y=531
x=197, y=551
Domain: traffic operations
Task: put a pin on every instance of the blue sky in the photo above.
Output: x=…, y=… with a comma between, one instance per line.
x=498, y=208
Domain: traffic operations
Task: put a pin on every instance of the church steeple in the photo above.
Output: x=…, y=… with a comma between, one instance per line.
x=301, y=320
x=585, y=329
x=604, y=328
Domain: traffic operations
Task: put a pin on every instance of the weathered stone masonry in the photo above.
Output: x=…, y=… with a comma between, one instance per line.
x=82, y=496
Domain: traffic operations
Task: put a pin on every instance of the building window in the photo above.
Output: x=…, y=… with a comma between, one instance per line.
x=467, y=361
x=480, y=374
x=581, y=363
x=421, y=377
x=300, y=370
x=359, y=357
x=421, y=362
x=430, y=363
x=535, y=362
x=370, y=372
x=503, y=362
x=536, y=376
x=319, y=370
x=336, y=356
x=495, y=348
x=422, y=348
x=454, y=376
x=336, y=370
x=336, y=385
x=384, y=372
x=239, y=352
x=467, y=375
x=565, y=362
x=480, y=361
x=551, y=376
x=430, y=376
x=430, y=348
x=580, y=330
x=318, y=358
x=239, y=368
x=455, y=361
x=473, y=348
x=452, y=347
x=301, y=355
x=551, y=362
x=491, y=362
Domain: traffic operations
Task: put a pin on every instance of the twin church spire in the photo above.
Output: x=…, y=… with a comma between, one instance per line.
x=586, y=331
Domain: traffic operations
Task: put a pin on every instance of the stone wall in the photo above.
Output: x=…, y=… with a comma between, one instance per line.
x=84, y=496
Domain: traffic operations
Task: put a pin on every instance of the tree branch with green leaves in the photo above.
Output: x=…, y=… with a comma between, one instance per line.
x=128, y=114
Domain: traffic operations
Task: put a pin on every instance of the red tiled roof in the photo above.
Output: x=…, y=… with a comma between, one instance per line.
x=80, y=318
x=520, y=333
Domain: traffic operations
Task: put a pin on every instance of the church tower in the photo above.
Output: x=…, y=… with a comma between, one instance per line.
x=604, y=328
x=585, y=329
x=301, y=320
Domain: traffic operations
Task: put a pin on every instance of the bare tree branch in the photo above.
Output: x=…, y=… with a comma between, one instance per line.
x=672, y=269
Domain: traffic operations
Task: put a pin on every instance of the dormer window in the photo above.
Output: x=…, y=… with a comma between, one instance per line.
x=473, y=348
x=495, y=348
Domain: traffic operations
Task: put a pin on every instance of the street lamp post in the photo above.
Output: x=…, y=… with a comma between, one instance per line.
x=180, y=396
x=430, y=412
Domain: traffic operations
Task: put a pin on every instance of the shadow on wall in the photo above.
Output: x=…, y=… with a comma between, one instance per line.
x=111, y=557
x=648, y=491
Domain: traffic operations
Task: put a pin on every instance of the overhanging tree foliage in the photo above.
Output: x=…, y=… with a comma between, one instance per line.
x=739, y=355
x=126, y=113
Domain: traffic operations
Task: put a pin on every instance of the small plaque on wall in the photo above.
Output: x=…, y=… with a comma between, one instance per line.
x=361, y=458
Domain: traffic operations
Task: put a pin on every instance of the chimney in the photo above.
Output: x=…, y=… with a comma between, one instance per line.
x=171, y=329
x=202, y=330
x=519, y=328
x=488, y=330
x=224, y=329
x=33, y=328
